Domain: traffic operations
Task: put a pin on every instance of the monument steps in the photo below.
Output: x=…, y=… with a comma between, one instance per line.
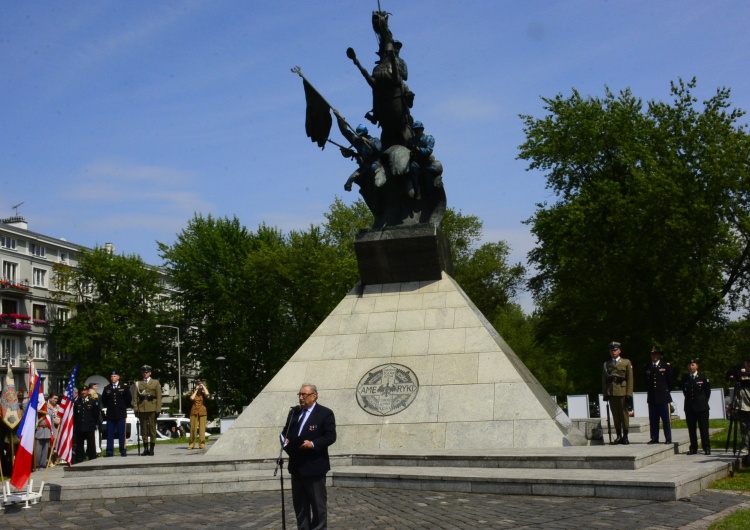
x=636, y=471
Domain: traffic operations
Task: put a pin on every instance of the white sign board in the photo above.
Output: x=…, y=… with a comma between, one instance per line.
x=578, y=406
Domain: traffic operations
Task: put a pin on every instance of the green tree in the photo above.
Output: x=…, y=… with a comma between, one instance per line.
x=649, y=238
x=482, y=271
x=116, y=301
x=254, y=297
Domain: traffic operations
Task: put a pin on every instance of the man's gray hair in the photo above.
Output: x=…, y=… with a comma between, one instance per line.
x=312, y=387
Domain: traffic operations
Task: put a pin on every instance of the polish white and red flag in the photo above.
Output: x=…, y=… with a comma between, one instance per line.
x=64, y=445
x=27, y=427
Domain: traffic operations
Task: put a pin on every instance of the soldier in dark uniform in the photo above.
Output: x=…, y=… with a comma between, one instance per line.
x=617, y=388
x=659, y=383
x=85, y=422
x=116, y=398
x=697, y=390
x=425, y=172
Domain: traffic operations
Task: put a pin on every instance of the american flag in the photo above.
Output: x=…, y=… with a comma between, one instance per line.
x=64, y=445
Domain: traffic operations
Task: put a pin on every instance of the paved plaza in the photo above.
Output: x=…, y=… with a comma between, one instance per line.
x=381, y=509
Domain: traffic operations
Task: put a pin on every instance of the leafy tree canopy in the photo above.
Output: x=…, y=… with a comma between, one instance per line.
x=648, y=241
x=117, y=301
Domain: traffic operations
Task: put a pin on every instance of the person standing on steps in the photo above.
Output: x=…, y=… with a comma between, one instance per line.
x=659, y=383
x=617, y=389
x=697, y=390
x=147, y=404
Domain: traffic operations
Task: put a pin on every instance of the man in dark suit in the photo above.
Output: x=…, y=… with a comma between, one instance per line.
x=310, y=429
x=697, y=390
x=659, y=383
x=116, y=399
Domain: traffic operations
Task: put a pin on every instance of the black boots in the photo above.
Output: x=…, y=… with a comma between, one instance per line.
x=622, y=440
x=147, y=451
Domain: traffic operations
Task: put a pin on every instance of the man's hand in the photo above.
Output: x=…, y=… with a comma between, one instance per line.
x=307, y=444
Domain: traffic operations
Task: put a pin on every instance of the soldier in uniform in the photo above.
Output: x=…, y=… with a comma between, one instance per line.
x=147, y=404
x=85, y=422
x=425, y=172
x=116, y=399
x=697, y=390
x=659, y=383
x=617, y=388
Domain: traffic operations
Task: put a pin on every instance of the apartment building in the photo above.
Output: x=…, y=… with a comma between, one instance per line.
x=28, y=310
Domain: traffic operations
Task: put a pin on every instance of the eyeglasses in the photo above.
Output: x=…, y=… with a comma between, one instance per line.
x=305, y=395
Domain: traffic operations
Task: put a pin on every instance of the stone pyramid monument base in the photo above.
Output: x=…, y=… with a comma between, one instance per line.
x=408, y=366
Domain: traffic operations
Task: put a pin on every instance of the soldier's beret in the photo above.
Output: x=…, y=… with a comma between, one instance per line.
x=145, y=368
x=657, y=350
x=695, y=360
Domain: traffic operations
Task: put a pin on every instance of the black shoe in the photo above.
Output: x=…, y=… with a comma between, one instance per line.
x=708, y=452
x=123, y=454
x=668, y=442
x=145, y=453
x=625, y=441
x=653, y=442
x=617, y=441
x=691, y=452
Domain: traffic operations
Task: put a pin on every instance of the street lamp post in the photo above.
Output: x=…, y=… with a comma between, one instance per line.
x=221, y=387
x=179, y=366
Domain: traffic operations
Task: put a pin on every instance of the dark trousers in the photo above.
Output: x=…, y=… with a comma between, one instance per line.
x=112, y=427
x=309, y=499
x=656, y=412
x=701, y=418
x=90, y=439
x=619, y=414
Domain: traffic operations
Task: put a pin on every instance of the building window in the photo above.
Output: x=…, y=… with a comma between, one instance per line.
x=39, y=312
x=9, y=306
x=10, y=271
x=40, y=278
x=11, y=352
x=63, y=257
x=63, y=314
x=8, y=242
x=39, y=349
x=37, y=250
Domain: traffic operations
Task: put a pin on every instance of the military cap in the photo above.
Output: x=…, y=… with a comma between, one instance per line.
x=614, y=345
x=694, y=360
x=115, y=372
x=657, y=350
x=145, y=368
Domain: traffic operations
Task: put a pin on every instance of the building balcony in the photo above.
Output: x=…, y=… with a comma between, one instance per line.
x=15, y=322
x=11, y=287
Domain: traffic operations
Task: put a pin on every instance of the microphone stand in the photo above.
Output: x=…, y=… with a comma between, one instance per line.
x=280, y=466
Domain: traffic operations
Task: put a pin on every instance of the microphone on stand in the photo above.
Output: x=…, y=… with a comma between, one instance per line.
x=296, y=408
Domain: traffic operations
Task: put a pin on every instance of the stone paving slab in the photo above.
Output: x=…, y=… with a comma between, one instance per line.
x=382, y=509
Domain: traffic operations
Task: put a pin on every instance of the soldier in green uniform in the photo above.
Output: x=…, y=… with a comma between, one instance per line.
x=617, y=388
x=147, y=404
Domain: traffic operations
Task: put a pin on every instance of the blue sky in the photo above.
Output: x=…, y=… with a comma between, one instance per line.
x=121, y=119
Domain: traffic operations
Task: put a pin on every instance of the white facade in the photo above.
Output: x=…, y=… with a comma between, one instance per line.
x=28, y=310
